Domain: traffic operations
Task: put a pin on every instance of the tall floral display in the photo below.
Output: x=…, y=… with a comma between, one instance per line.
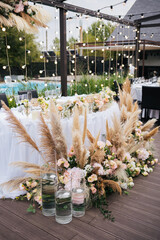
x=23, y=16
x=108, y=166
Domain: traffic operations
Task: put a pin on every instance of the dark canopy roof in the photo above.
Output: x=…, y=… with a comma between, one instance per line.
x=151, y=7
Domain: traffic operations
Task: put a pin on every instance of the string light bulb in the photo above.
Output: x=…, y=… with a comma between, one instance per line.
x=4, y=67
x=3, y=29
x=124, y=3
x=142, y=15
x=8, y=47
x=40, y=71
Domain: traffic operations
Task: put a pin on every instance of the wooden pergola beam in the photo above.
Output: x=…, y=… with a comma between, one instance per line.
x=147, y=19
x=152, y=25
x=85, y=11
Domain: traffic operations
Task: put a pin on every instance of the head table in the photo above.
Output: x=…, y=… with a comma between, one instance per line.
x=12, y=149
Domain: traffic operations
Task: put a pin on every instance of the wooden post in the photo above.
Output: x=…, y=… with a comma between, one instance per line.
x=137, y=51
x=63, y=52
x=143, y=58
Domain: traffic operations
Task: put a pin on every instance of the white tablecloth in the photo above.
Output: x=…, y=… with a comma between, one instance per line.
x=136, y=89
x=12, y=150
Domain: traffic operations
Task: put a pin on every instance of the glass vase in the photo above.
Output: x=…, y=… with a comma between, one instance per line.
x=78, y=195
x=49, y=188
x=63, y=206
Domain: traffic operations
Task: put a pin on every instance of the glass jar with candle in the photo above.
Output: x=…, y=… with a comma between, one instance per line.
x=78, y=194
x=49, y=188
x=63, y=206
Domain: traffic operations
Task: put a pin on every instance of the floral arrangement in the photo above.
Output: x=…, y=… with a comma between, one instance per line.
x=108, y=166
x=39, y=102
x=93, y=102
x=26, y=105
x=20, y=14
x=100, y=100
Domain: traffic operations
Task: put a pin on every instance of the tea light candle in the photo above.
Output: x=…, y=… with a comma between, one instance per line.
x=78, y=196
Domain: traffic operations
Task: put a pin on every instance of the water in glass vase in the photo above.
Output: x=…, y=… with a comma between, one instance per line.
x=63, y=207
x=49, y=188
x=78, y=202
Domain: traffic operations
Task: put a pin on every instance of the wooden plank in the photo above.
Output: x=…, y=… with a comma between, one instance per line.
x=89, y=231
x=144, y=229
x=150, y=208
x=146, y=190
x=144, y=218
x=25, y=229
x=48, y=224
x=118, y=228
x=7, y=234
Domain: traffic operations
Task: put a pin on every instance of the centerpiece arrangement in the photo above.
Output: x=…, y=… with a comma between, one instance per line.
x=107, y=166
x=93, y=103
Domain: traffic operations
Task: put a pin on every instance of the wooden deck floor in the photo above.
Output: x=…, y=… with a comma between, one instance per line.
x=137, y=216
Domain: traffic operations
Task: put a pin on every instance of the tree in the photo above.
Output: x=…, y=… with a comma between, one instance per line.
x=71, y=42
x=56, y=46
x=16, y=52
x=98, y=32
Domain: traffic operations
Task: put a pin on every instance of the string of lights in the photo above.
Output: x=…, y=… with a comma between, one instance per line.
x=114, y=5
x=142, y=15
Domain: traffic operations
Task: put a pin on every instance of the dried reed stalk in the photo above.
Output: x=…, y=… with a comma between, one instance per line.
x=150, y=134
x=59, y=139
x=127, y=86
x=148, y=125
x=90, y=137
x=14, y=183
x=130, y=124
x=25, y=165
x=18, y=128
x=98, y=156
x=108, y=132
x=32, y=20
x=85, y=126
x=47, y=143
x=53, y=108
x=114, y=185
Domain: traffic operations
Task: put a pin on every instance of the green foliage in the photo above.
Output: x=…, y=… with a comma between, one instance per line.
x=101, y=32
x=11, y=102
x=71, y=42
x=17, y=48
x=98, y=30
x=88, y=84
x=100, y=202
x=31, y=208
x=56, y=46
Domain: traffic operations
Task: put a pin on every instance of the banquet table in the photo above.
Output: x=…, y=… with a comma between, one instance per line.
x=136, y=92
x=136, y=89
x=12, y=149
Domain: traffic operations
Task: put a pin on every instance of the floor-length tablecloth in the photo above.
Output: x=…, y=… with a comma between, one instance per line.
x=11, y=149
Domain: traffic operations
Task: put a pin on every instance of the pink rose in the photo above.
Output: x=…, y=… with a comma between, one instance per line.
x=19, y=7
x=66, y=164
x=109, y=172
x=94, y=190
x=28, y=196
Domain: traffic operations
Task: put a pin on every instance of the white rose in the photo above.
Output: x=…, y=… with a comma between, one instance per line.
x=29, y=11
x=123, y=185
x=131, y=184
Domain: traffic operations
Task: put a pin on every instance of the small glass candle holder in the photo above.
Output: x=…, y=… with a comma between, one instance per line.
x=49, y=188
x=63, y=206
x=78, y=194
